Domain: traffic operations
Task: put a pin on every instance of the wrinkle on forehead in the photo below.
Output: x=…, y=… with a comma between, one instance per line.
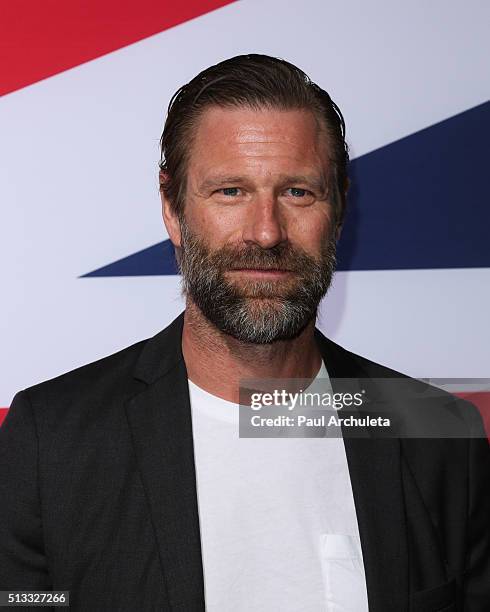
x=265, y=125
x=244, y=137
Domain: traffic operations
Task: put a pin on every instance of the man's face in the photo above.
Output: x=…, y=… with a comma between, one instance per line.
x=258, y=237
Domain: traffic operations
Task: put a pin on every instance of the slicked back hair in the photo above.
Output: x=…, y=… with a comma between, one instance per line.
x=253, y=81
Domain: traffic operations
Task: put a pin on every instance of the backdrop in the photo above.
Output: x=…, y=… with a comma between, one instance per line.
x=86, y=265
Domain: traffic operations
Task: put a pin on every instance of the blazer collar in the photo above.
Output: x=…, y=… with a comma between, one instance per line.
x=161, y=353
x=160, y=421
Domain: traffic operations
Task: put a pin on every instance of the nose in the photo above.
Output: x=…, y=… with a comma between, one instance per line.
x=265, y=225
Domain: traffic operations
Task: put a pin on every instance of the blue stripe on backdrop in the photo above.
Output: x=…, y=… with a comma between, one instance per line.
x=422, y=201
x=419, y=202
x=157, y=260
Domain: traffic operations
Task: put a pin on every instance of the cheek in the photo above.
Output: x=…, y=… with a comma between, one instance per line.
x=216, y=223
x=310, y=227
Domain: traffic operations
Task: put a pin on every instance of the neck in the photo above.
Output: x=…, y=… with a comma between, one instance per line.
x=216, y=361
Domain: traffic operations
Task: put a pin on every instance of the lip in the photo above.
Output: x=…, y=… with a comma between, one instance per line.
x=263, y=273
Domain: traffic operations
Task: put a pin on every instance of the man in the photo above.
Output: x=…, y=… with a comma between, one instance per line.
x=125, y=481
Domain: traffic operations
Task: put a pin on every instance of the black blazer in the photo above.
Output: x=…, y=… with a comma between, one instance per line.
x=98, y=493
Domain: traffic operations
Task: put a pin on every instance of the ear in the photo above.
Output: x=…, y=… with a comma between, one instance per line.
x=338, y=231
x=340, y=225
x=346, y=185
x=169, y=216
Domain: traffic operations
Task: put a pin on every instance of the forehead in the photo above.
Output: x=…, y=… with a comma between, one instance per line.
x=264, y=140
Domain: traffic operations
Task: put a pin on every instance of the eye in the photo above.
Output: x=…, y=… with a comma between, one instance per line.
x=229, y=191
x=297, y=192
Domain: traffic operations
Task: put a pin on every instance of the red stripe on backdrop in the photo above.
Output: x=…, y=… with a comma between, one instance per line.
x=40, y=38
x=481, y=399
x=3, y=414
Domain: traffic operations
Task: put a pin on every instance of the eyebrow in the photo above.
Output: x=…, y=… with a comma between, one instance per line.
x=218, y=181
x=317, y=183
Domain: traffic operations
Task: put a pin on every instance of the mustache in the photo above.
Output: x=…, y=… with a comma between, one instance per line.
x=282, y=257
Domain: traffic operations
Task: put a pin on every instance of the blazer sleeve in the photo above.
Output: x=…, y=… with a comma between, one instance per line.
x=477, y=573
x=23, y=564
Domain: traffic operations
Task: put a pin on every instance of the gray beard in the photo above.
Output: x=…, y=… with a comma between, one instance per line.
x=259, y=311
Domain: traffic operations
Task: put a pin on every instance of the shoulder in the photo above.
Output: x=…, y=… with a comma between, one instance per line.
x=90, y=386
x=442, y=437
x=419, y=402
x=115, y=376
x=96, y=392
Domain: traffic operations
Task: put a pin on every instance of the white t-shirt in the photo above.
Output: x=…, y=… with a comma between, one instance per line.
x=277, y=517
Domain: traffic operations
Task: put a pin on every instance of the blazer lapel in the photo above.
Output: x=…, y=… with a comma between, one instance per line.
x=376, y=478
x=160, y=421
